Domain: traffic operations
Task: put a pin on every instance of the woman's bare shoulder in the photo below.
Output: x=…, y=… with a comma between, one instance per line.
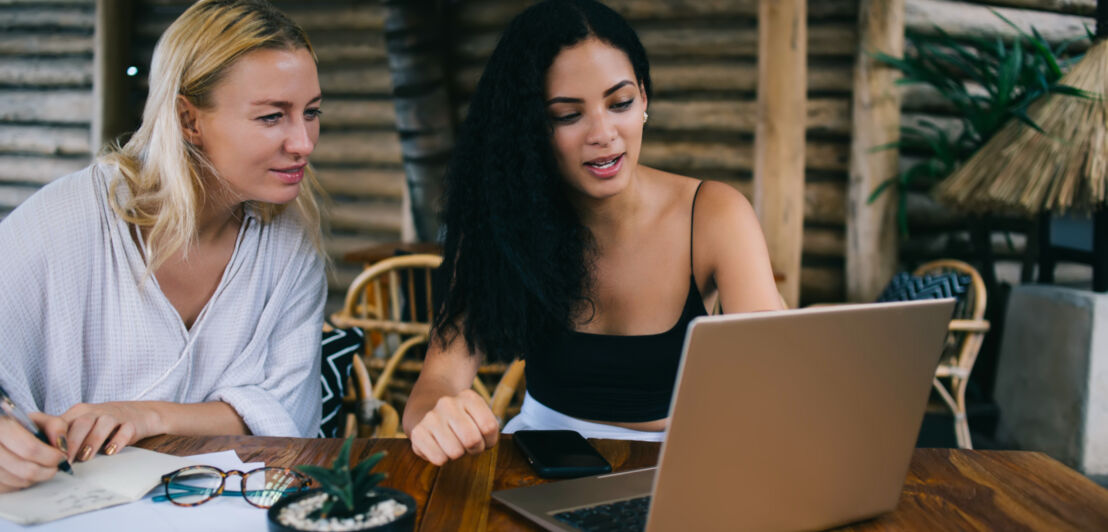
x=678, y=190
x=719, y=198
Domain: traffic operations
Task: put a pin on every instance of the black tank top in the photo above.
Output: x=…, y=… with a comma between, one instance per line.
x=607, y=377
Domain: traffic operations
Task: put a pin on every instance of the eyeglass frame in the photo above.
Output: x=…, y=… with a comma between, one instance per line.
x=305, y=483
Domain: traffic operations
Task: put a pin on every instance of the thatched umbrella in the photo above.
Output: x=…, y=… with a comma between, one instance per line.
x=1063, y=167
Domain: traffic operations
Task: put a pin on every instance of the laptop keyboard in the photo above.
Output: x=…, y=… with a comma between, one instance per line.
x=620, y=515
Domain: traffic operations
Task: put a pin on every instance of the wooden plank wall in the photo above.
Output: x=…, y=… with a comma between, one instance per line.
x=937, y=232
x=45, y=93
x=702, y=117
x=358, y=156
x=703, y=56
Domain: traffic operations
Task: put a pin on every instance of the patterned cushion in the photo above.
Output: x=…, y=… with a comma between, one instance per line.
x=907, y=287
x=340, y=346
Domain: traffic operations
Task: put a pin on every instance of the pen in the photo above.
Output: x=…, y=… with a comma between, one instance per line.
x=10, y=409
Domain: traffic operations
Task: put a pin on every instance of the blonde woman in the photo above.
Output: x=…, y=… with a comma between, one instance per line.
x=176, y=285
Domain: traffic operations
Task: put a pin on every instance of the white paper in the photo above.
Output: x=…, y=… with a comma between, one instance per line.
x=102, y=482
x=227, y=513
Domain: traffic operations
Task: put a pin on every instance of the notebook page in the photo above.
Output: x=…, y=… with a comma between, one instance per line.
x=99, y=483
x=131, y=472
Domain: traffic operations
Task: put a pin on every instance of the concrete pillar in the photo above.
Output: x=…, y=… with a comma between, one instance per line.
x=1052, y=377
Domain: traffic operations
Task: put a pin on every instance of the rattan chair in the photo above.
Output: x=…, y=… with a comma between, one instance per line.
x=369, y=417
x=508, y=394
x=963, y=342
x=385, y=301
x=365, y=416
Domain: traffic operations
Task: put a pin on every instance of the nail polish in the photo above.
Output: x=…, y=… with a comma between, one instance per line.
x=86, y=453
x=62, y=445
x=110, y=450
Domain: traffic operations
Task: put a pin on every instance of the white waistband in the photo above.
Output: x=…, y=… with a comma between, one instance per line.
x=536, y=416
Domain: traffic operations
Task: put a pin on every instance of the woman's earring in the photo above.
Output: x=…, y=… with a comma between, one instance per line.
x=645, y=116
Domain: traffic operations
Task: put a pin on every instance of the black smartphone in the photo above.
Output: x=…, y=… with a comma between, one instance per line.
x=560, y=453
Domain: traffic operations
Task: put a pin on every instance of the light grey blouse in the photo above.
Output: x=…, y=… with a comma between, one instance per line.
x=79, y=323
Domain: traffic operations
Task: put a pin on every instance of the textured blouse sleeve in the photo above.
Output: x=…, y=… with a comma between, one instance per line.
x=287, y=402
x=23, y=266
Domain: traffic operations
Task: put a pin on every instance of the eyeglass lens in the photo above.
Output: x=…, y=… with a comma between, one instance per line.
x=263, y=487
x=193, y=486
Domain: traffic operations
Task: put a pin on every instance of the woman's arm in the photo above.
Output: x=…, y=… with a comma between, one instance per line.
x=283, y=397
x=444, y=417
x=109, y=427
x=731, y=244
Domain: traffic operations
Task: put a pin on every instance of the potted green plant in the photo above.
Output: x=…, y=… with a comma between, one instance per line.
x=988, y=82
x=346, y=499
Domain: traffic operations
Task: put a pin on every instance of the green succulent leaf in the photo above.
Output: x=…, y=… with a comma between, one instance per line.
x=324, y=476
x=364, y=484
x=362, y=469
x=342, y=461
x=325, y=510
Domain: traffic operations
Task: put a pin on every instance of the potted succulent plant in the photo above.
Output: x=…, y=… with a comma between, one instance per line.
x=346, y=499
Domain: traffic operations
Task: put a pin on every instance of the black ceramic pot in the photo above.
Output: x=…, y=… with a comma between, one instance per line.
x=404, y=523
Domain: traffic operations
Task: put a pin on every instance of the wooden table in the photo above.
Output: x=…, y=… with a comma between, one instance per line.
x=946, y=489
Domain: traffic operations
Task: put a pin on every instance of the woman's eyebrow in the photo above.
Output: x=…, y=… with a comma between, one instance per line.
x=617, y=86
x=284, y=104
x=613, y=88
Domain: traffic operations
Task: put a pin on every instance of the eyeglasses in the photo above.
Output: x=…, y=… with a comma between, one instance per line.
x=262, y=487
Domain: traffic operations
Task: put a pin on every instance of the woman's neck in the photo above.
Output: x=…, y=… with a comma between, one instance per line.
x=218, y=213
x=613, y=218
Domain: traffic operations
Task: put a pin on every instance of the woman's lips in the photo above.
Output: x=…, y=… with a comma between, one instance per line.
x=606, y=169
x=291, y=176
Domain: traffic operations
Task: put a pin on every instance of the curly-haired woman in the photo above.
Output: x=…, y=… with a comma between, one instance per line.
x=561, y=248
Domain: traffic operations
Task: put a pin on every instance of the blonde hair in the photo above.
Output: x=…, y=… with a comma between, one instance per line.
x=164, y=172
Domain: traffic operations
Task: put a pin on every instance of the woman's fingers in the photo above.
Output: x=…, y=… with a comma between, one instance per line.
x=425, y=447
x=55, y=428
x=79, y=429
x=483, y=419
x=454, y=427
x=24, y=460
x=25, y=446
x=124, y=436
x=102, y=429
x=444, y=436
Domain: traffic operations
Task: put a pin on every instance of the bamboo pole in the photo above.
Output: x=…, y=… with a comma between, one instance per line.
x=871, y=229
x=414, y=34
x=779, y=137
x=111, y=43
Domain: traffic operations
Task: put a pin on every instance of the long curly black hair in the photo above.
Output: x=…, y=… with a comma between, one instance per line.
x=517, y=259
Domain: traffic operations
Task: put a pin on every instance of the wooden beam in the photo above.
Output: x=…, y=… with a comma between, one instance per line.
x=871, y=228
x=779, y=146
x=111, y=45
x=965, y=19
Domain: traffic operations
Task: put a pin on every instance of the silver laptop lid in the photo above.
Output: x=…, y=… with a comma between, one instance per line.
x=798, y=419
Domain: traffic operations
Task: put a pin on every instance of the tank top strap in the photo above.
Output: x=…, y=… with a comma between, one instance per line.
x=692, y=218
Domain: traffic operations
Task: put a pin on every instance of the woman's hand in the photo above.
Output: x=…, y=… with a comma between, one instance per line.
x=24, y=459
x=456, y=425
x=108, y=427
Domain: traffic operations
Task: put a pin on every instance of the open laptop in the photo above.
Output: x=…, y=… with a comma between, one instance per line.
x=790, y=420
